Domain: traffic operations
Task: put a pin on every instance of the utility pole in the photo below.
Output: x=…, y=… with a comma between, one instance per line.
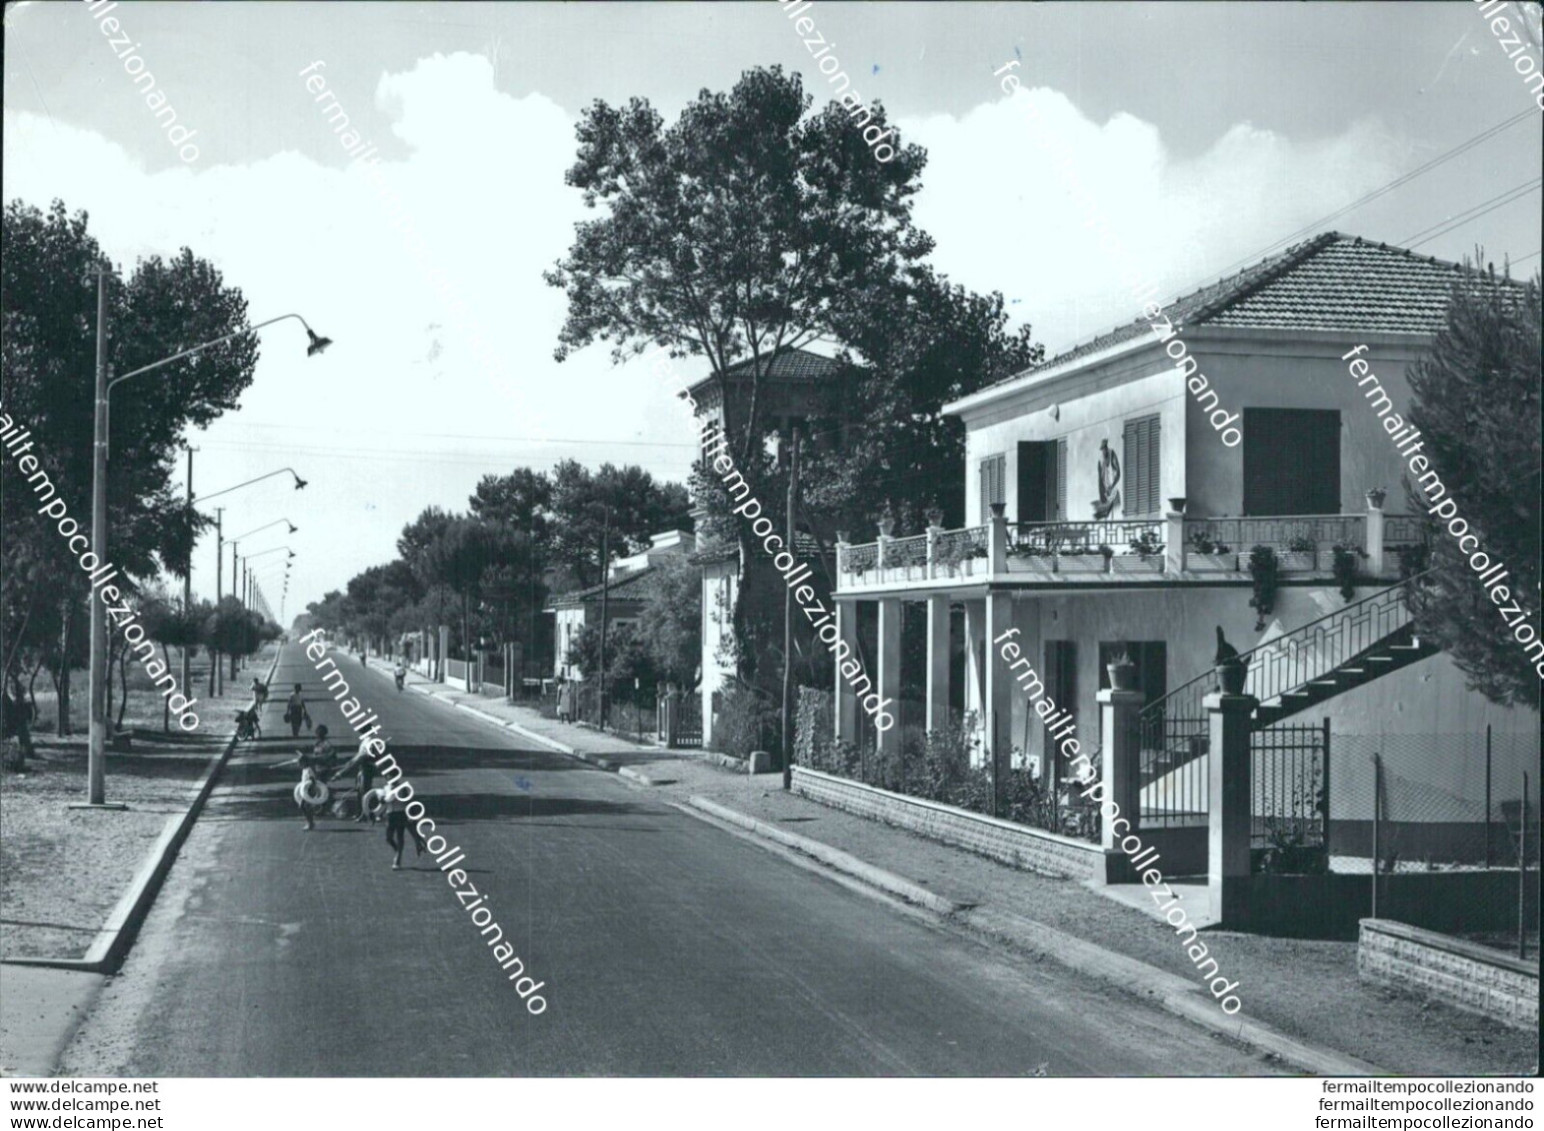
x=216, y=681
x=236, y=593
x=96, y=750
x=187, y=577
x=793, y=503
x=605, y=594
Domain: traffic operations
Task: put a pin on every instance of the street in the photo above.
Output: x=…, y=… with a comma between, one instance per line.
x=667, y=946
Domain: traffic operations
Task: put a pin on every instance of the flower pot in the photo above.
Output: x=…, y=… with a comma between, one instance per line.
x=935, y=517
x=1082, y=563
x=1375, y=498
x=1211, y=563
x=1123, y=677
x=1232, y=677
x=1136, y=563
x=1299, y=561
x=1177, y=504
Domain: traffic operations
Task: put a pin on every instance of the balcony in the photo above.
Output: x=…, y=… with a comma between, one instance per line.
x=1124, y=551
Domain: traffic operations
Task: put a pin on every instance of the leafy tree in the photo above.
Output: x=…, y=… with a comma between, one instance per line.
x=749, y=228
x=48, y=299
x=638, y=507
x=913, y=350
x=670, y=624
x=1476, y=402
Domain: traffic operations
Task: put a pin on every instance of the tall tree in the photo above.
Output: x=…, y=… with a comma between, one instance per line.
x=48, y=292
x=746, y=229
x=627, y=498
x=1476, y=402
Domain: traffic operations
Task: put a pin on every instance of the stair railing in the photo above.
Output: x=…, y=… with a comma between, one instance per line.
x=1175, y=729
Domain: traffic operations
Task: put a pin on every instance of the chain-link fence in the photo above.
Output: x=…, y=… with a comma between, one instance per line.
x=1463, y=804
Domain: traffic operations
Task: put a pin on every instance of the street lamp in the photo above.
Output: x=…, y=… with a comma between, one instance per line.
x=300, y=483
x=96, y=750
x=275, y=522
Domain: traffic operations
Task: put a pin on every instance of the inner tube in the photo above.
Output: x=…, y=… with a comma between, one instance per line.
x=372, y=802
x=297, y=793
x=312, y=792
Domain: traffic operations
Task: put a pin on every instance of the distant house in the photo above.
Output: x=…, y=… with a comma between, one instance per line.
x=631, y=583
x=799, y=389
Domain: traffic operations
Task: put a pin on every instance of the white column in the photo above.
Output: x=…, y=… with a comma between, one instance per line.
x=998, y=715
x=937, y=662
x=846, y=701
x=888, y=677
x=975, y=672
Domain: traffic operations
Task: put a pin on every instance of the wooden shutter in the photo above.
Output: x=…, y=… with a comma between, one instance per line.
x=1061, y=481
x=994, y=475
x=1141, y=471
x=1291, y=461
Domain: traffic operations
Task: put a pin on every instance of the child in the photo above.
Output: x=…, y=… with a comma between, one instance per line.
x=363, y=765
x=397, y=824
x=320, y=757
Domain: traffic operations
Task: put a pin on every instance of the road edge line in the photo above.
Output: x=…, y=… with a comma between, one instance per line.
x=115, y=938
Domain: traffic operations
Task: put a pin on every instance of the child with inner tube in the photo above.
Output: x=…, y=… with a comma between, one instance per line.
x=321, y=757
x=363, y=765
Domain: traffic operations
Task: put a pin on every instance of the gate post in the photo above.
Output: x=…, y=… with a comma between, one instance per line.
x=1122, y=769
x=1230, y=801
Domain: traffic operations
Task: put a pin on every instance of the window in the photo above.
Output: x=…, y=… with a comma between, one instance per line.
x=1043, y=481
x=1141, y=471
x=1291, y=461
x=994, y=476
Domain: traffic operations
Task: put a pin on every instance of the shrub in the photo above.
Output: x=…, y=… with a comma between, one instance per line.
x=1263, y=568
x=1346, y=556
x=746, y=721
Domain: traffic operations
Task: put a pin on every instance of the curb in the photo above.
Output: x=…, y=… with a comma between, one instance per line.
x=841, y=861
x=116, y=936
x=1170, y=992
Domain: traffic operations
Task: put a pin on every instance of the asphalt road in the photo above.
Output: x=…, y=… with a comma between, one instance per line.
x=667, y=946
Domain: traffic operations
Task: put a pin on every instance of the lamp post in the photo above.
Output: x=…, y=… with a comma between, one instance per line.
x=605, y=594
x=96, y=751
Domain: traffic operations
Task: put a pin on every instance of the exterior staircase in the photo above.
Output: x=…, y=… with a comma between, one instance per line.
x=1347, y=648
x=1398, y=649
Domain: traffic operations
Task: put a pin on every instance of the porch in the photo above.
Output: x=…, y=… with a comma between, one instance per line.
x=1175, y=547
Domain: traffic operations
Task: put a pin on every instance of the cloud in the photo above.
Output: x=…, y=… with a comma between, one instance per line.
x=1005, y=218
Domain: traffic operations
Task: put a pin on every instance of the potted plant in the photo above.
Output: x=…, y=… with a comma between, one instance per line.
x=1177, y=504
x=1263, y=569
x=1085, y=560
x=1375, y=498
x=1345, y=564
x=1301, y=554
x=1122, y=672
x=1206, y=553
x=1145, y=555
x=935, y=517
x=886, y=522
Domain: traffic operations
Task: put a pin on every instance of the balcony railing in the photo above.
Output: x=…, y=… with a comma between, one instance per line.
x=1131, y=548
x=1281, y=534
x=1046, y=538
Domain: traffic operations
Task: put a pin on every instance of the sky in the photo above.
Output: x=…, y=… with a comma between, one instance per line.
x=1204, y=132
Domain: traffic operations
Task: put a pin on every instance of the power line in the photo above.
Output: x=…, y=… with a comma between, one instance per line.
x=1397, y=182
x=1516, y=192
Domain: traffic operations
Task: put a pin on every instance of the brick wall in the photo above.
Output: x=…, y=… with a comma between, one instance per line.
x=1004, y=841
x=1461, y=974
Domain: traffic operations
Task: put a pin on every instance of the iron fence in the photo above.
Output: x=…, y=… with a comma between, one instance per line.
x=1289, y=797
x=1172, y=769
x=1460, y=804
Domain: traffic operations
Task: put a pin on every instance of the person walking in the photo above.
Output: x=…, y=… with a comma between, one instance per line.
x=363, y=766
x=313, y=766
x=295, y=713
x=397, y=824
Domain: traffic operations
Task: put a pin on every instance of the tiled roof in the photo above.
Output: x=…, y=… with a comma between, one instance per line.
x=1330, y=282
x=639, y=585
x=790, y=365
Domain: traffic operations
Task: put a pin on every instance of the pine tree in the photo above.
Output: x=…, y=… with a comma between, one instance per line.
x=1476, y=402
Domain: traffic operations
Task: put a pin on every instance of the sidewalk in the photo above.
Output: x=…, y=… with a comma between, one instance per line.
x=1305, y=989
